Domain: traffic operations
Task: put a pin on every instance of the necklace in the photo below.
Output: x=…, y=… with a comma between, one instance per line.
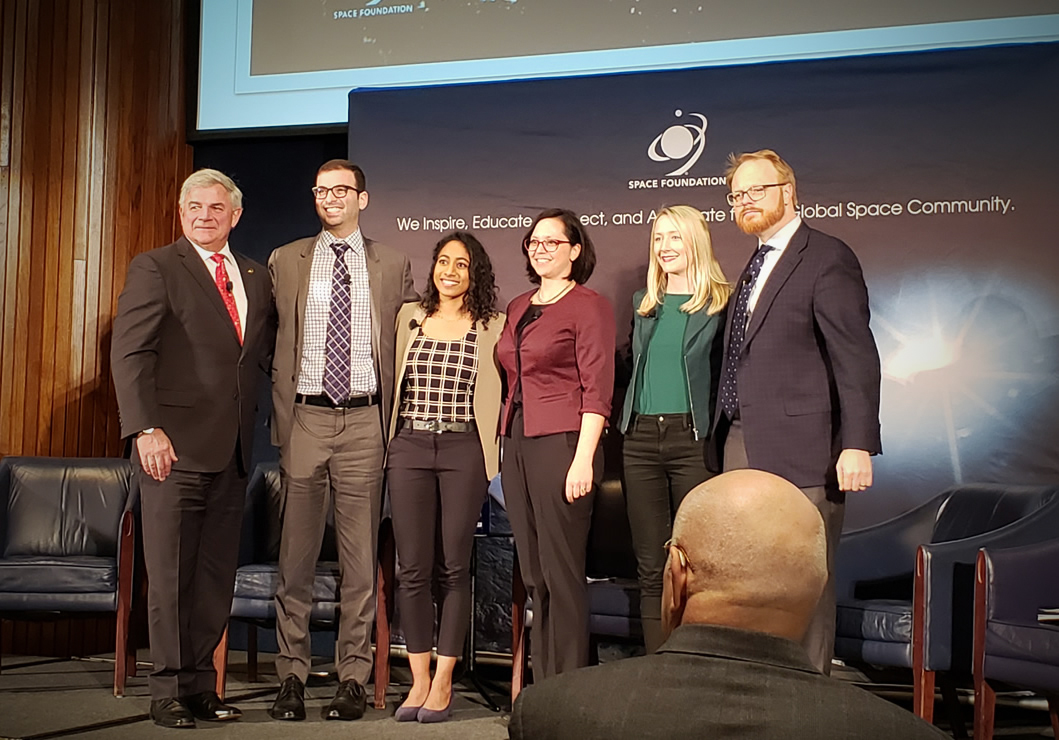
x=557, y=296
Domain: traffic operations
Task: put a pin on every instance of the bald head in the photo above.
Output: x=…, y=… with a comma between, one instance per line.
x=757, y=556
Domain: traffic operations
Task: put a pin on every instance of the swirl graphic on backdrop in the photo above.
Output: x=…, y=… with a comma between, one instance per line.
x=681, y=141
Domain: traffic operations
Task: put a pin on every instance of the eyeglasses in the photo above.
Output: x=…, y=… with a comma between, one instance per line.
x=755, y=193
x=548, y=245
x=685, y=561
x=339, y=191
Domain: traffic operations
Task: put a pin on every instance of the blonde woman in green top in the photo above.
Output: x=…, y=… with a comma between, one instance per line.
x=678, y=327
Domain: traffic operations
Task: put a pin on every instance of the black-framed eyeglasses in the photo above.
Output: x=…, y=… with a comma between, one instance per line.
x=755, y=193
x=339, y=191
x=548, y=245
x=685, y=561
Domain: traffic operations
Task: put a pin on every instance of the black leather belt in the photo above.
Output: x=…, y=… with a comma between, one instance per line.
x=440, y=426
x=354, y=402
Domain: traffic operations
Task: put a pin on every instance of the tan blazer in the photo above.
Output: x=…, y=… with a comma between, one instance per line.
x=391, y=285
x=487, y=393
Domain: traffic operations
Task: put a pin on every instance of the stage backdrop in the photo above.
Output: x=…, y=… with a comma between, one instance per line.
x=938, y=169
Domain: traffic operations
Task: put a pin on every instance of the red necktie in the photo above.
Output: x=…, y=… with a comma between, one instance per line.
x=224, y=285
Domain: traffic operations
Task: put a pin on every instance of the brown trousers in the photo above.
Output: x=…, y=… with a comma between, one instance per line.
x=334, y=459
x=819, y=640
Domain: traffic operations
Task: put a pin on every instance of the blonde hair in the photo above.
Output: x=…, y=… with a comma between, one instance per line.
x=205, y=178
x=709, y=285
x=783, y=169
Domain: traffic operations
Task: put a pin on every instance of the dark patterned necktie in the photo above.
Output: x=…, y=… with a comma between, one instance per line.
x=339, y=329
x=729, y=389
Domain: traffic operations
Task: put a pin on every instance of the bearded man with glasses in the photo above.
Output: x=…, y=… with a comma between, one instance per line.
x=337, y=297
x=799, y=385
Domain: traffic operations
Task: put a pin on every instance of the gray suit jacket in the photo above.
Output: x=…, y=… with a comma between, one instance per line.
x=176, y=359
x=710, y=682
x=391, y=285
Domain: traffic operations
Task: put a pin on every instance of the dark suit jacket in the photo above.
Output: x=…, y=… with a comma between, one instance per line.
x=567, y=362
x=391, y=285
x=176, y=358
x=710, y=682
x=809, y=370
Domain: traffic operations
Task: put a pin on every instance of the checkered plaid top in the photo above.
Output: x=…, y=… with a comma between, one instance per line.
x=439, y=379
x=317, y=304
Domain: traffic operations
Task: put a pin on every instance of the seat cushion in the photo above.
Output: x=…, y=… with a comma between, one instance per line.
x=66, y=575
x=260, y=580
x=879, y=620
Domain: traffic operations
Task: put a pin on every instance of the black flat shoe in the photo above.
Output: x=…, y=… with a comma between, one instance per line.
x=290, y=702
x=208, y=707
x=171, y=713
x=349, y=703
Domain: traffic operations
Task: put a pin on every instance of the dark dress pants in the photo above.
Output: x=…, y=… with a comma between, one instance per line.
x=663, y=462
x=437, y=487
x=819, y=639
x=191, y=525
x=551, y=536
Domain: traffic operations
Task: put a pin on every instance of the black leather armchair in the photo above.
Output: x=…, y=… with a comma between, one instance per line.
x=905, y=587
x=67, y=542
x=1010, y=647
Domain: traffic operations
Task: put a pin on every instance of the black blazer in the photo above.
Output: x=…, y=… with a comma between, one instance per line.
x=809, y=370
x=176, y=358
x=710, y=682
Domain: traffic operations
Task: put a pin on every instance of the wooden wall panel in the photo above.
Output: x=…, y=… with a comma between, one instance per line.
x=92, y=154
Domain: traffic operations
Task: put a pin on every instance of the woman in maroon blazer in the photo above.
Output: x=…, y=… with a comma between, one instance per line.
x=557, y=350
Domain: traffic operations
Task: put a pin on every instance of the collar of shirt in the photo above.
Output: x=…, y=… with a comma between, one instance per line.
x=354, y=240
x=782, y=238
x=207, y=255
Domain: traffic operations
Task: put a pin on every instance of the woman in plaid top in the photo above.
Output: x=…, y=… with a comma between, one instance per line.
x=444, y=452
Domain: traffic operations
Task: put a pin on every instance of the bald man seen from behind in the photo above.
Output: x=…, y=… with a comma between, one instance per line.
x=746, y=566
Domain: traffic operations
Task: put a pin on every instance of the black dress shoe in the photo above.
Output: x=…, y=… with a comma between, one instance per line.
x=208, y=706
x=349, y=703
x=290, y=702
x=171, y=713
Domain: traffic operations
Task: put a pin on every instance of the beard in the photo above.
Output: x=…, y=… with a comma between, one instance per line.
x=755, y=223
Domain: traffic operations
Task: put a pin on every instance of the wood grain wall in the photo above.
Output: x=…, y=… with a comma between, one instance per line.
x=92, y=154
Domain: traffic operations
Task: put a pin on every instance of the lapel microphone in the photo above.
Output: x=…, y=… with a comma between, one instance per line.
x=413, y=325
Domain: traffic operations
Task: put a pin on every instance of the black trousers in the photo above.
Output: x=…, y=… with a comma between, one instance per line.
x=437, y=487
x=819, y=640
x=191, y=526
x=551, y=537
x=663, y=462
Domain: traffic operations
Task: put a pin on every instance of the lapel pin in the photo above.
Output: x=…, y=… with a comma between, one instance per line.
x=250, y=270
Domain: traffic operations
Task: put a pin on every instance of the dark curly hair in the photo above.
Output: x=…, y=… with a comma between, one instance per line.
x=480, y=298
x=582, y=267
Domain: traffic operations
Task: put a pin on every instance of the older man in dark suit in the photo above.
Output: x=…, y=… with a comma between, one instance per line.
x=337, y=296
x=746, y=565
x=799, y=387
x=192, y=335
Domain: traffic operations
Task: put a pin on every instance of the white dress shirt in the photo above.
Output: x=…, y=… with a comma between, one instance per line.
x=778, y=242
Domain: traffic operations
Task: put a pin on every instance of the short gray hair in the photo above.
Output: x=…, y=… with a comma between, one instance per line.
x=207, y=177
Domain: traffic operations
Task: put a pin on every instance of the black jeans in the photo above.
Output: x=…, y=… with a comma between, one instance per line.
x=663, y=462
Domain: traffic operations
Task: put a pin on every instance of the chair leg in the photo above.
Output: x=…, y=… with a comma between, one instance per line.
x=124, y=599
x=251, y=653
x=923, y=694
x=220, y=663
x=1053, y=710
x=952, y=707
x=518, y=631
x=121, y=650
x=985, y=709
x=384, y=611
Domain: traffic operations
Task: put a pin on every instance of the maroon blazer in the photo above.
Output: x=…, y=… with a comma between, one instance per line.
x=567, y=362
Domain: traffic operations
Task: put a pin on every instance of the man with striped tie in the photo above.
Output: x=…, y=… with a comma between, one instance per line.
x=337, y=296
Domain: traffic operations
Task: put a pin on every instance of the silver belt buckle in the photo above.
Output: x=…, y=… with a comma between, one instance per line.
x=434, y=425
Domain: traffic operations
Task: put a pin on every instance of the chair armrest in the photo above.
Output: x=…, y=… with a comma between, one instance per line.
x=883, y=552
x=1021, y=580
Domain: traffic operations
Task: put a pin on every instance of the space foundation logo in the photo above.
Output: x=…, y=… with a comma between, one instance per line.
x=680, y=145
